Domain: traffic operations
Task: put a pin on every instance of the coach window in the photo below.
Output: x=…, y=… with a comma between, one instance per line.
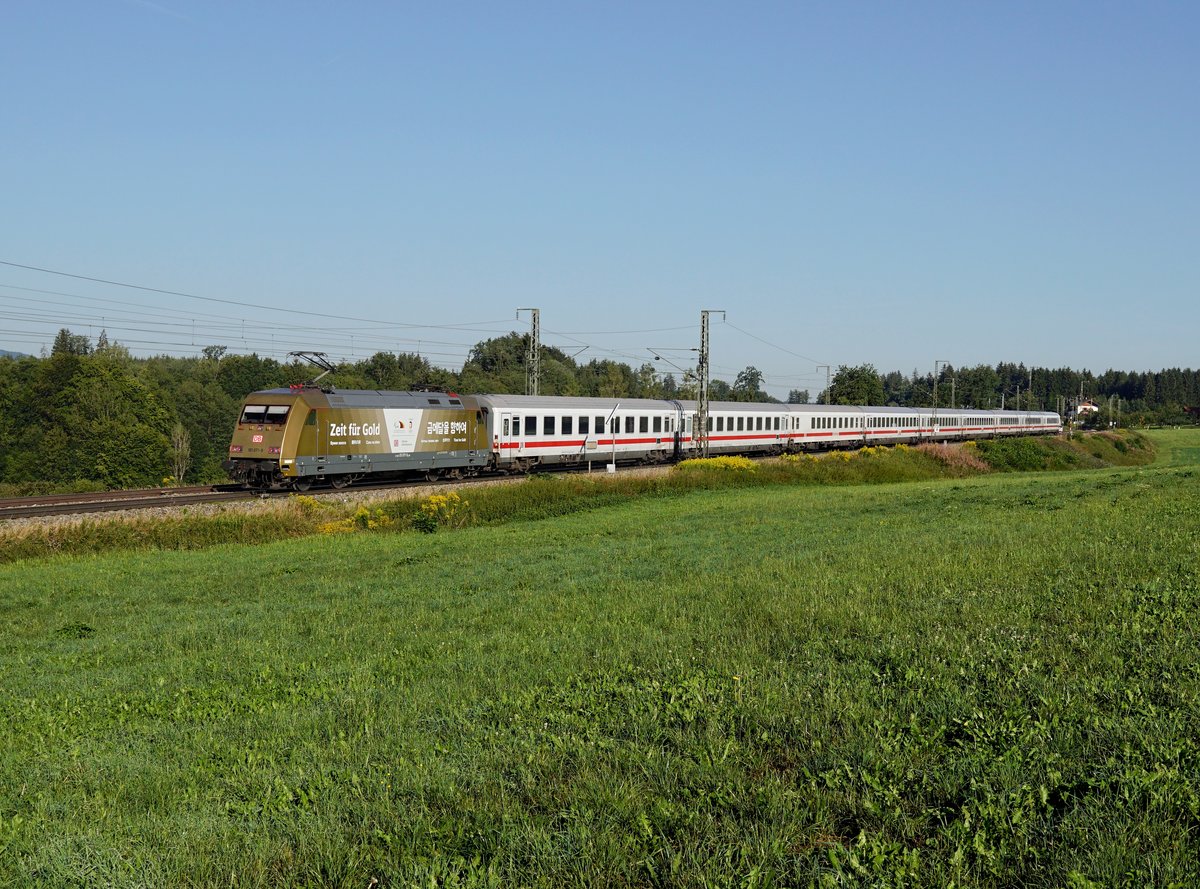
x=506, y=427
x=629, y=425
x=720, y=424
x=740, y=421
x=568, y=425
x=531, y=427
x=658, y=424
x=583, y=425
x=547, y=425
x=643, y=424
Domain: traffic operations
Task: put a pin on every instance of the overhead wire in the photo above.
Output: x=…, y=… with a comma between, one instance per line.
x=231, y=302
x=175, y=324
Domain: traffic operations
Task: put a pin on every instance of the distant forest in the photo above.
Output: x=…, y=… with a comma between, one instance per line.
x=90, y=415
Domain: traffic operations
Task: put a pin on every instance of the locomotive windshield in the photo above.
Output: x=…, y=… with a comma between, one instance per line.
x=259, y=414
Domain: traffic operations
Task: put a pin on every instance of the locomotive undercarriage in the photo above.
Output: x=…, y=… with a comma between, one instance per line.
x=264, y=475
x=261, y=475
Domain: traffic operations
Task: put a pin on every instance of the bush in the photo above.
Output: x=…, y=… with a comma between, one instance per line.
x=1013, y=454
x=717, y=464
x=961, y=458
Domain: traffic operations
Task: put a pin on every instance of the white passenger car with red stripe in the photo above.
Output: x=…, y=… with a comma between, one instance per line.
x=528, y=431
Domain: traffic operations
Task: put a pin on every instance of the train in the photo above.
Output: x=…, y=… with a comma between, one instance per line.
x=292, y=438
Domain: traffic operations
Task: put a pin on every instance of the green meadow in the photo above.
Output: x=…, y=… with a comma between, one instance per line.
x=956, y=679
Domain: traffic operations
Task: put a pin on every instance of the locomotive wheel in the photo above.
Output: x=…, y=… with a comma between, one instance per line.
x=454, y=474
x=432, y=475
x=302, y=484
x=341, y=481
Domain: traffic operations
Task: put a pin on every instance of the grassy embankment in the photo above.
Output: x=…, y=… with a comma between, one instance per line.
x=989, y=681
x=556, y=494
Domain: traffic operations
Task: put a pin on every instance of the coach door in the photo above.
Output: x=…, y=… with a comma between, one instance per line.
x=510, y=436
x=677, y=430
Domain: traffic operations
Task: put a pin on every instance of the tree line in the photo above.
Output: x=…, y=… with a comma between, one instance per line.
x=1133, y=398
x=90, y=414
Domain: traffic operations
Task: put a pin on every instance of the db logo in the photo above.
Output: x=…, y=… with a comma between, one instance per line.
x=257, y=439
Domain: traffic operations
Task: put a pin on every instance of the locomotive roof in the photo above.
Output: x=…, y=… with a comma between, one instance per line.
x=369, y=398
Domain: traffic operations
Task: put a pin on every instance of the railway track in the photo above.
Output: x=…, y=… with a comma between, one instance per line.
x=157, y=498
x=116, y=501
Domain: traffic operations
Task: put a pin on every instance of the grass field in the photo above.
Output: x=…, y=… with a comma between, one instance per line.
x=988, y=681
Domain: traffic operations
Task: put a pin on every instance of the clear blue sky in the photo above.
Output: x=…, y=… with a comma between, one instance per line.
x=852, y=182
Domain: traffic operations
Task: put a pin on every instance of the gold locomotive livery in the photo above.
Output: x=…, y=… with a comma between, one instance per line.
x=294, y=437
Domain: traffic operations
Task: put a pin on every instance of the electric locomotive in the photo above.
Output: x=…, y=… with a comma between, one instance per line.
x=291, y=438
